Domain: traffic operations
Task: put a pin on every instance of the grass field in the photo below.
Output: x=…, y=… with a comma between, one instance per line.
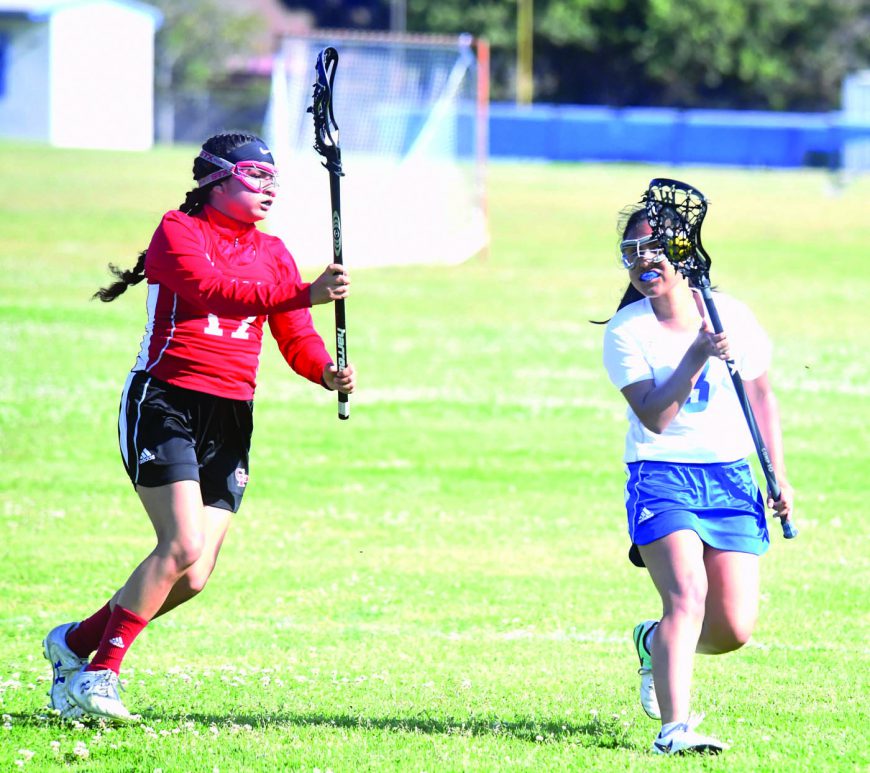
x=439, y=584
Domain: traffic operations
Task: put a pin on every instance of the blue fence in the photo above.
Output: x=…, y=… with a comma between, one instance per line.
x=663, y=135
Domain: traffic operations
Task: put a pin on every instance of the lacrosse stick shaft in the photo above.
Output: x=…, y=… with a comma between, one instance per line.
x=340, y=328
x=788, y=530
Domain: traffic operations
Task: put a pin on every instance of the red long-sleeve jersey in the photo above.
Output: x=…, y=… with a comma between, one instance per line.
x=212, y=282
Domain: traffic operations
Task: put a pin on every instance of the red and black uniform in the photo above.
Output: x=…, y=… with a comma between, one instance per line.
x=212, y=283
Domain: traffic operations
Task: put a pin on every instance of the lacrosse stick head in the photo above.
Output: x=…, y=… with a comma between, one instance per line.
x=675, y=211
x=326, y=133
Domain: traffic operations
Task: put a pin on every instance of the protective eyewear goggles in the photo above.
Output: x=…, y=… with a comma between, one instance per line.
x=632, y=251
x=256, y=176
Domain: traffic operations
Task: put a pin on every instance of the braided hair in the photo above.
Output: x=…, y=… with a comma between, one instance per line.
x=218, y=145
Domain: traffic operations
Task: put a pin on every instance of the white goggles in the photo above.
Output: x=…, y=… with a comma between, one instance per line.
x=632, y=251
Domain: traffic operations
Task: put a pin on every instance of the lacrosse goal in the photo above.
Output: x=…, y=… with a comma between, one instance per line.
x=412, y=112
x=856, y=121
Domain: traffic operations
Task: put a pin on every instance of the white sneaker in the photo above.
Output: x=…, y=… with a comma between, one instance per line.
x=97, y=693
x=64, y=663
x=683, y=739
x=648, y=698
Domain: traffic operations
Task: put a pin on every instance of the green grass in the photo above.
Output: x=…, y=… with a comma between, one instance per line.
x=440, y=583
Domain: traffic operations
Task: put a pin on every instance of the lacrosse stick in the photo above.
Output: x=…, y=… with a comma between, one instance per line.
x=675, y=211
x=326, y=144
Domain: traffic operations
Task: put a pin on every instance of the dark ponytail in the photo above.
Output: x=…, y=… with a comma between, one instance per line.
x=125, y=279
x=630, y=295
x=629, y=218
x=194, y=201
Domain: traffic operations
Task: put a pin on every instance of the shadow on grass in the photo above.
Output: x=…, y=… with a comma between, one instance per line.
x=609, y=733
x=605, y=733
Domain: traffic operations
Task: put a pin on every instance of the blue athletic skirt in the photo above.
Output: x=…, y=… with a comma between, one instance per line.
x=721, y=503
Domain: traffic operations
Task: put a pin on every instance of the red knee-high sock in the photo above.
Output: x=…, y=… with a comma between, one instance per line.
x=86, y=636
x=123, y=627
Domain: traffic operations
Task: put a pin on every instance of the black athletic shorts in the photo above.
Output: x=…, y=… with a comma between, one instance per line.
x=168, y=433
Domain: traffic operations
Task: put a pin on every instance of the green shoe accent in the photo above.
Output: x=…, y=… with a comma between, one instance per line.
x=640, y=633
x=648, y=699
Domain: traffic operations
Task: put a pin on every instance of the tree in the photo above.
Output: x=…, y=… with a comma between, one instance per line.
x=194, y=47
x=787, y=54
x=791, y=54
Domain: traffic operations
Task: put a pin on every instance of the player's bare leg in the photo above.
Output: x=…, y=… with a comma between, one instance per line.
x=217, y=522
x=676, y=565
x=733, y=581
x=179, y=519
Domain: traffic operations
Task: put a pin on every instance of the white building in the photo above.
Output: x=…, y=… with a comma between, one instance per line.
x=78, y=73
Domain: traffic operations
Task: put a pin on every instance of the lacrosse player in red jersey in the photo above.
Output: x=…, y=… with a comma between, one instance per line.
x=696, y=517
x=186, y=410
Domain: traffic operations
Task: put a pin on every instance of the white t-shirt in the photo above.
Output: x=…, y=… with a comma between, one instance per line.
x=710, y=427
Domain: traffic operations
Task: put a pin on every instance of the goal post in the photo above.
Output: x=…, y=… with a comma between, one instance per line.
x=413, y=117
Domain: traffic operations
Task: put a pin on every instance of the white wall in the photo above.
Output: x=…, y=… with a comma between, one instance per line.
x=24, y=112
x=102, y=77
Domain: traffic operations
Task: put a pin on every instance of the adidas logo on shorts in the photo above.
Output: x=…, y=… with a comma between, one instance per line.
x=645, y=515
x=146, y=456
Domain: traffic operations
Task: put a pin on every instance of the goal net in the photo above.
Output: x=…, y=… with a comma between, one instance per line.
x=855, y=123
x=412, y=113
